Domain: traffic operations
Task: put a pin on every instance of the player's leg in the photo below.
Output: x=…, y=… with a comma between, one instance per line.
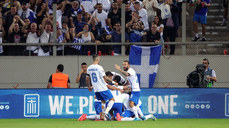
x=140, y=113
x=134, y=98
x=106, y=95
x=151, y=116
x=117, y=107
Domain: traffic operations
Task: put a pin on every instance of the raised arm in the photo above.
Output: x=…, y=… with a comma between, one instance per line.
x=119, y=69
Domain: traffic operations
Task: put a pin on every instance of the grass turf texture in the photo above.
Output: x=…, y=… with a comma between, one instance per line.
x=73, y=123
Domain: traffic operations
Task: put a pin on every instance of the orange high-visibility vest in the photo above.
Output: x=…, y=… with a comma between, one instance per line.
x=59, y=80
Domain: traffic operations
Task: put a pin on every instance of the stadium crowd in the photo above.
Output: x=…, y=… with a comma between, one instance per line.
x=86, y=21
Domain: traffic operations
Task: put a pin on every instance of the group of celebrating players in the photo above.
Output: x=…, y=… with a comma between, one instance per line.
x=115, y=97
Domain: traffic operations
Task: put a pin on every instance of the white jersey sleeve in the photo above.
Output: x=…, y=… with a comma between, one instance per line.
x=133, y=80
x=96, y=74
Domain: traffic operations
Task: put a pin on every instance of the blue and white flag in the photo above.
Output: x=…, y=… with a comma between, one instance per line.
x=145, y=61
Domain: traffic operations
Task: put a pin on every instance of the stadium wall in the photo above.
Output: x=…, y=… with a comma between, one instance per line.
x=71, y=103
x=34, y=72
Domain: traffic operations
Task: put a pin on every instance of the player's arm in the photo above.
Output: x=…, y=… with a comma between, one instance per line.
x=110, y=80
x=119, y=69
x=114, y=88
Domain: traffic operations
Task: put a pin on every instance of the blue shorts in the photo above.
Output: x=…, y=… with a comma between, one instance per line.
x=104, y=95
x=98, y=107
x=117, y=108
x=135, y=97
x=128, y=113
x=200, y=18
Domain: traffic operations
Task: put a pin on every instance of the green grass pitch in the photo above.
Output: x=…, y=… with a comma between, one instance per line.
x=73, y=123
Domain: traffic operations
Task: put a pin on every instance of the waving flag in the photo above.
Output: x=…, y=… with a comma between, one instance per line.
x=145, y=61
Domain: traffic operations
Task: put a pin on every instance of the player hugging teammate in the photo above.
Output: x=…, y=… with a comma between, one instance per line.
x=111, y=99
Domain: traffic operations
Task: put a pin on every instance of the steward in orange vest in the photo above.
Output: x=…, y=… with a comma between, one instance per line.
x=59, y=79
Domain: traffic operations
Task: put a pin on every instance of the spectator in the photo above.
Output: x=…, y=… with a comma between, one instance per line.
x=87, y=5
x=116, y=37
x=119, y=2
x=32, y=5
x=153, y=35
x=132, y=4
x=88, y=37
x=114, y=16
x=106, y=37
x=170, y=22
x=95, y=26
x=40, y=11
x=106, y=4
x=9, y=17
x=200, y=16
x=128, y=12
x=101, y=14
x=151, y=8
x=25, y=12
x=143, y=16
x=78, y=23
x=60, y=39
x=46, y=37
x=209, y=72
x=81, y=77
x=59, y=79
x=2, y=33
x=135, y=18
x=72, y=12
x=59, y=13
x=72, y=50
x=160, y=26
x=33, y=37
x=225, y=11
x=136, y=35
x=15, y=36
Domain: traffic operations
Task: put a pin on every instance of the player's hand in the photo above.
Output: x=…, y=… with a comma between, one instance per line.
x=117, y=67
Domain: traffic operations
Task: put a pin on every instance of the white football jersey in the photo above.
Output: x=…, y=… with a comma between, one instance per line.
x=96, y=73
x=133, y=80
x=117, y=94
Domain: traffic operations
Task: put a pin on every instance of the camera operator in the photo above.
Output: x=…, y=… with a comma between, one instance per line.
x=209, y=72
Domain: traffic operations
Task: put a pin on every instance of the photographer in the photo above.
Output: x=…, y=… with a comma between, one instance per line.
x=210, y=73
x=202, y=77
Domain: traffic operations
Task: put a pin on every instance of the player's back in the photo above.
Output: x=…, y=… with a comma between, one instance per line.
x=117, y=94
x=96, y=73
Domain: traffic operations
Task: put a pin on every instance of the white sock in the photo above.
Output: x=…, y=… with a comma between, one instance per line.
x=196, y=35
x=135, y=111
x=103, y=107
x=148, y=117
x=93, y=117
x=127, y=119
x=109, y=106
x=140, y=112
